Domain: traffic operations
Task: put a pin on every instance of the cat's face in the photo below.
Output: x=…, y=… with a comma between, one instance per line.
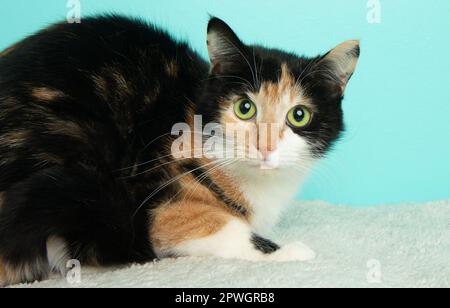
x=276, y=110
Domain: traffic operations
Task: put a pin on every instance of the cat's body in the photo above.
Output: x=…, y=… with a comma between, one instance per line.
x=86, y=169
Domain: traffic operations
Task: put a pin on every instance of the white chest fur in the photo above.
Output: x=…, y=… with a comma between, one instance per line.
x=268, y=196
x=268, y=201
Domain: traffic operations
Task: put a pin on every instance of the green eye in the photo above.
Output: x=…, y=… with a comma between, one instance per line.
x=299, y=117
x=245, y=109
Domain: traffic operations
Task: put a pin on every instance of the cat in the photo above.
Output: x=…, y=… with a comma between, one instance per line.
x=87, y=167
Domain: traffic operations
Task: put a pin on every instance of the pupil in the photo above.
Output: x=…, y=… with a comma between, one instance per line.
x=245, y=107
x=299, y=115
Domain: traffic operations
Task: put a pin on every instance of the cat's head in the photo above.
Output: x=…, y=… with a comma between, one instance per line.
x=288, y=108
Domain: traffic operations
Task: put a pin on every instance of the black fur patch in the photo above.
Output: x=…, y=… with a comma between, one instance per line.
x=264, y=245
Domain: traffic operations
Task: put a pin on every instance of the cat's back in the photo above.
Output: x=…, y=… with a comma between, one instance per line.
x=88, y=93
x=65, y=53
x=106, y=67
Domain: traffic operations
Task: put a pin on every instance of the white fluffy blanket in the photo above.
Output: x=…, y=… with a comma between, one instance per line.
x=387, y=246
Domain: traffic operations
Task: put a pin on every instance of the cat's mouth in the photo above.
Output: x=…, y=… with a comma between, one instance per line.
x=264, y=165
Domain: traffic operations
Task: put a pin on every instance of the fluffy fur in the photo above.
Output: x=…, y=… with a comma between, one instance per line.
x=86, y=169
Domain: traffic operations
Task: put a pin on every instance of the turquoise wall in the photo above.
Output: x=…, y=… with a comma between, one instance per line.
x=397, y=147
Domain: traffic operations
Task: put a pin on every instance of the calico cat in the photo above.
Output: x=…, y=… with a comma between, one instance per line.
x=87, y=169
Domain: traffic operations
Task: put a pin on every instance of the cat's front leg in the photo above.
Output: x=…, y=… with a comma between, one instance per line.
x=192, y=229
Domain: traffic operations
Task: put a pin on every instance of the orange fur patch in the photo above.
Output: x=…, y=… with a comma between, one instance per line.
x=3, y=278
x=193, y=190
x=123, y=86
x=46, y=94
x=190, y=113
x=10, y=275
x=101, y=86
x=184, y=221
x=14, y=139
x=22, y=273
x=172, y=69
x=283, y=95
x=68, y=128
x=286, y=85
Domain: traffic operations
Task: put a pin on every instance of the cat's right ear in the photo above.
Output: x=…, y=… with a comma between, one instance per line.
x=226, y=51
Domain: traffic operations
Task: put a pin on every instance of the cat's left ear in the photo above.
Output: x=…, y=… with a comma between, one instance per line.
x=341, y=62
x=226, y=51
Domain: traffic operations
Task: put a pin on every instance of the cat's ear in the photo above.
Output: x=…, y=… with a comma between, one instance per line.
x=340, y=63
x=226, y=51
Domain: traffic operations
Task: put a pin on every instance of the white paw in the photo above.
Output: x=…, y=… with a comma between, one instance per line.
x=293, y=252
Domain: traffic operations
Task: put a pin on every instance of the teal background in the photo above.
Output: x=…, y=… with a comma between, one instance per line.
x=397, y=147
